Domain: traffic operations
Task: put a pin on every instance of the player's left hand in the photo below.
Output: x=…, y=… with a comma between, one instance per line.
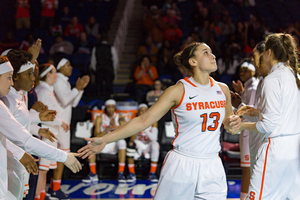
x=47, y=115
x=39, y=106
x=29, y=163
x=96, y=145
x=234, y=124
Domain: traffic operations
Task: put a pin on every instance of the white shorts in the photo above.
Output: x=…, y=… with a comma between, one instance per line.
x=114, y=147
x=276, y=170
x=63, y=140
x=46, y=164
x=146, y=149
x=188, y=178
x=244, y=148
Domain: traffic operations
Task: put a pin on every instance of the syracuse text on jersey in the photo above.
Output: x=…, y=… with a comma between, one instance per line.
x=205, y=105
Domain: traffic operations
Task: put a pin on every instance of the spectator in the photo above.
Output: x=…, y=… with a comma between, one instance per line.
x=74, y=28
x=216, y=9
x=171, y=18
x=149, y=49
x=48, y=13
x=143, y=143
x=92, y=27
x=28, y=42
x=65, y=18
x=165, y=63
x=83, y=46
x=157, y=86
x=61, y=46
x=155, y=25
x=200, y=15
x=173, y=34
x=145, y=74
x=104, y=62
x=22, y=14
x=9, y=42
x=226, y=26
x=106, y=123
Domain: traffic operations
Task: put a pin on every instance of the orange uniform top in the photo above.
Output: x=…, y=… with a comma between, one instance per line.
x=145, y=79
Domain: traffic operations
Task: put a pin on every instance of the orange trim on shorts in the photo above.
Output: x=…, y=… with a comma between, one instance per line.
x=187, y=80
x=65, y=149
x=166, y=158
x=44, y=166
x=263, y=176
x=27, y=184
x=211, y=82
x=177, y=133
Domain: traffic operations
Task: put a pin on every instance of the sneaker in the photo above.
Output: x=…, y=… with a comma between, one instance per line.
x=60, y=195
x=153, y=177
x=121, y=178
x=90, y=178
x=131, y=177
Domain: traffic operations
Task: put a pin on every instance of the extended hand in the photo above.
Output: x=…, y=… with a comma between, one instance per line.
x=234, y=124
x=247, y=110
x=72, y=163
x=35, y=49
x=236, y=99
x=65, y=126
x=39, y=106
x=47, y=115
x=96, y=145
x=29, y=163
x=44, y=132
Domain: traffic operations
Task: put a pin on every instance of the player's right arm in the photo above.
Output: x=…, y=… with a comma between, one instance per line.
x=170, y=98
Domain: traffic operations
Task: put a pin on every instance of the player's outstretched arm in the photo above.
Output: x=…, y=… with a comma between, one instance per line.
x=72, y=163
x=170, y=98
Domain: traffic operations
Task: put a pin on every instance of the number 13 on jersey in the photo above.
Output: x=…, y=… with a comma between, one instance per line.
x=214, y=126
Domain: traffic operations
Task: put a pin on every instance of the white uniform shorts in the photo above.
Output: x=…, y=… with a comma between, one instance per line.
x=276, y=170
x=114, y=147
x=244, y=148
x=46, y=164
x=63, y=140
x=184, y=177
x=147, y=149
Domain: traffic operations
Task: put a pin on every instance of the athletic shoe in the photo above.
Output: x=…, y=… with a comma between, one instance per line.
x=90, y=178
x=131, y=177
x=153, y=177
x=60, y=195
x=121, y=178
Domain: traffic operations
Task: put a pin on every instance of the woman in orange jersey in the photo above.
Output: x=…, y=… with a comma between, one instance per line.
x=192, y=170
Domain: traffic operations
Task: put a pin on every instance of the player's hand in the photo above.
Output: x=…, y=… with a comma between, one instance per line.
x=236, y=99
x=35, y=50
x=96, y=145
x=47, y=115
x=39, y=106
x=233, y=124
x=29, y=163
x=113, y=123
x=238, y=86
x=247, y=110
x=72, y=163
x=65, y=126
x=44, y=132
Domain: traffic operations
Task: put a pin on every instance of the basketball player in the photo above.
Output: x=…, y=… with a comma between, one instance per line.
x=199, y=105
x=143, y=143
x=276, y=168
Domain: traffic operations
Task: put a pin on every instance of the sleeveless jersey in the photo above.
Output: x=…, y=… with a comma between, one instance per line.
x=198, y=117
x=143, y=135
x=106, y=122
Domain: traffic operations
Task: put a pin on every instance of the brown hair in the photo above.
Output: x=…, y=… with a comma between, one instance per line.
x=182, y=57
x=17, y=58
x=3, y=59
x=284, y=49
x=42, y=68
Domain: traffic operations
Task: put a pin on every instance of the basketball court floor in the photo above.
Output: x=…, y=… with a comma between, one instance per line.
x=111, y=190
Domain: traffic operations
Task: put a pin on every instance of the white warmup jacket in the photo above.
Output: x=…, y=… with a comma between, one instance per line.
x=16, y=133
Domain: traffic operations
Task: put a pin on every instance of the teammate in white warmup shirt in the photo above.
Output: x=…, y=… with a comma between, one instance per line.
x=199, y=106
x=16, y=133
x=276, y=169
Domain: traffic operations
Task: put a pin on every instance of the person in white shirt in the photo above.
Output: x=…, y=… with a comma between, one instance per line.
x=192, y=170
x=276, y=171
x=23, y=82
x=45, y=93
x=17, y=134
x=247, y=92
x=145, y=144
x=67, y=98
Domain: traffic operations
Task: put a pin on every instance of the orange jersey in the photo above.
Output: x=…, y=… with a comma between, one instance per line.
x=198, y=117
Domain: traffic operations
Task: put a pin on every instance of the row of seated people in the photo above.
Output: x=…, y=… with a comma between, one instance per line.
x=143, y=143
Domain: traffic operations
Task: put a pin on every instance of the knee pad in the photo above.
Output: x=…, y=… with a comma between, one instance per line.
x=130, y=150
